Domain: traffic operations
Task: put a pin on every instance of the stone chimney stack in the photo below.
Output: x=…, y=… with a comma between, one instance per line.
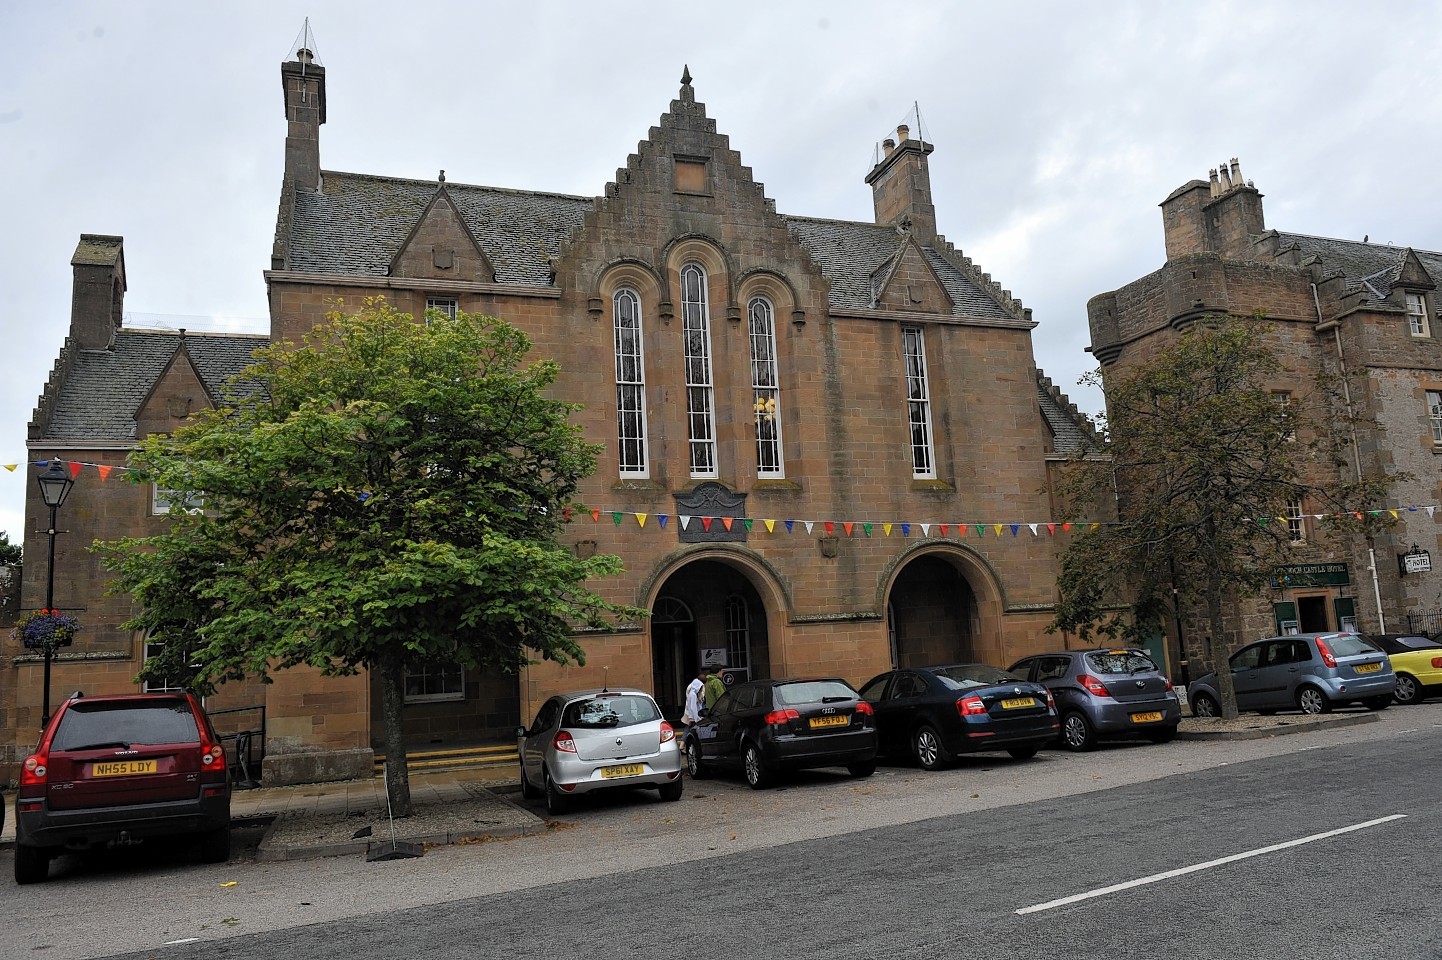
x=1220, y=215
x=97, y=299
x=303, y=81
x=901, y=185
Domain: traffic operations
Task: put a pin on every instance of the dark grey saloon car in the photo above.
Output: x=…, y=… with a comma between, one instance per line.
x=1106, y=693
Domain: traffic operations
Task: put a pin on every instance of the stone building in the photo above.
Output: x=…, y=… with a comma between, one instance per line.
x=1337, y=306
x=827, y=448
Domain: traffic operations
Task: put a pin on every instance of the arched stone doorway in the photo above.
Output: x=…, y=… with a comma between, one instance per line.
x=935, y=615
x=706, y=613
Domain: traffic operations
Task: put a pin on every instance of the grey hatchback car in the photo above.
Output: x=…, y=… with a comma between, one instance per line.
x=1106, y=693
x=1311, y=672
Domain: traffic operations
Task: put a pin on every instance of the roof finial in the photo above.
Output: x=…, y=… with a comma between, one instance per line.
x=443, y=176
x=686, y=76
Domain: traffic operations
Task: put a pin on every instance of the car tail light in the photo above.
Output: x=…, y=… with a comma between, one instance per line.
x=564, y=742
x=864, y=708
x=1437, y=662
x=212, y=755
x=970, y=707
x=779, y=718
x=1092, y=685
x=34, y=771
x=668, y=732
x=1169, y=686
x=1050, y=701
x=1326, y=653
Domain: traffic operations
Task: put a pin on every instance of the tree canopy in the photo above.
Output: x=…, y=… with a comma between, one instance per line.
x=1206, y=462
x=386, y=494
x=10, y=553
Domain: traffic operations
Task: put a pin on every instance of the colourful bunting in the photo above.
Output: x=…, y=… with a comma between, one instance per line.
x=847, y=527
x=641, y=519
x=1013, y=528
x=943, y=529
x=616, y=519
x=596, y=515
x=748, y=521
x=706, y=524
x=886, y=529
x=865, y=527
x=830, y=528
x=906, y=529
x=726, y=522
x=661, y=518
x=770, y=525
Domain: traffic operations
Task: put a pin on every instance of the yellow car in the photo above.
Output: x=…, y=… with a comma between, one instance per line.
x=1417, y=661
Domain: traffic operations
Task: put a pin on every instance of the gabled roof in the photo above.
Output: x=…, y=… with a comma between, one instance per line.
x=1072, y=431
x=99, y=398
x=1375, y=266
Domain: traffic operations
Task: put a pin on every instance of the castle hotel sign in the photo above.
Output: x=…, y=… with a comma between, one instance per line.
x=1310, y=575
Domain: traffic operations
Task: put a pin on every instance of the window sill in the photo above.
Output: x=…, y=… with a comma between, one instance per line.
x=932, y=486
x=776, y=486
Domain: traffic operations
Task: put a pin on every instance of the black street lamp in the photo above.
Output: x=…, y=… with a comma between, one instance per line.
x=55, y=484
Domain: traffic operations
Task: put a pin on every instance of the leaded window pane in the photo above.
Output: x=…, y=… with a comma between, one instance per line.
x=630, y=384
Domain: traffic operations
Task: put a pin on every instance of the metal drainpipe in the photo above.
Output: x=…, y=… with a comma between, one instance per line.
x=1356, y=455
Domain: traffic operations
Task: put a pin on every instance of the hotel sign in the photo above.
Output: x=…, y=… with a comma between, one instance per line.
x=1310, y=575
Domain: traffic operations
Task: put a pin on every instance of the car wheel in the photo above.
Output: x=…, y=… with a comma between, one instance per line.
x=757, y=776
x=1022, y=753
x=926, y=748
x=215, y=845
x=1313, y=701
x=1077, y=734
x=671, y=792
x=32, y=864
x=528, y=792
x=695, y=769
x=1204, y=705
x=1162, y=734
x=1378, y=703
x=861, y=770
x=557, y=802
x=1408, y=690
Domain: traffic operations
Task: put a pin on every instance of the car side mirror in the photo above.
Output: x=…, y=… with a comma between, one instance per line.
x=521, y=732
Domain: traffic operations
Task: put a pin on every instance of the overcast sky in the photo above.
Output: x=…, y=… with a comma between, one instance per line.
x=1058, y=129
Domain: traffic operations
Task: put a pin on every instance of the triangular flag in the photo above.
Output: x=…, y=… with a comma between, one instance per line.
x=1033, y=528
x=980, y=530
x=748, y=521
x=11, y=466
x=1393, y=513
x=1357, y=515
x=943, y=529
x=997, y=527
x=925, y=529
x=886, y=529
x=1051, y=529
x=641, y=518
x=661, y=518
x=808, y=523
x=685, y=521
x=616, y=519
x=866, y=527
x=706, y=524
x=1014, y=528
x=1095, y=526
x=74, y=469
x=770, y=525
x=791, y=526
x=1429, y=511
x=1066, y=527
x=830, y=528
x=104, y=471
x=596, y=515
x=726, y=522
x=848, y=527
x=1319, y=516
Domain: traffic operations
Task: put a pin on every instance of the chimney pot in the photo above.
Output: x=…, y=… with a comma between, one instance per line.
x=1226, y=177
x=304, y=55
x=888, y=145
x=1237, y=180
x=903, y=132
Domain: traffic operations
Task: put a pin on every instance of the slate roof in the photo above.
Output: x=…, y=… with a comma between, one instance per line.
x=1072, y=431
x=358, y=223
x=106, y=387
x=1374, y=265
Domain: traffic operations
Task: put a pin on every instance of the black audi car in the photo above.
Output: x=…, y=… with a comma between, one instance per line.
x=934, y=714
x=767, y=726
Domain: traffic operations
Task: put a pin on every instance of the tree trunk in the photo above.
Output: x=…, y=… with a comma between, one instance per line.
x=1221, y=649
x=393, y=695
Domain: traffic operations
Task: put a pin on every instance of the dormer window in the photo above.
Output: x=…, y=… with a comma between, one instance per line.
x=1417, y=315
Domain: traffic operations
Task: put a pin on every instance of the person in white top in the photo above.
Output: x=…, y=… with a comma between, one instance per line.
x=695, y=694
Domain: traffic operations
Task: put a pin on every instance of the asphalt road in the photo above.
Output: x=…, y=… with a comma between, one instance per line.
x=964, y=863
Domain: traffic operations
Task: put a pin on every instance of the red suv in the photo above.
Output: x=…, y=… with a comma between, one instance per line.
x=119, y=770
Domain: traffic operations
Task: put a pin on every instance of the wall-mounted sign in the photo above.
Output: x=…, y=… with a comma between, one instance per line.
x=1310, y=575
x=1415, y=560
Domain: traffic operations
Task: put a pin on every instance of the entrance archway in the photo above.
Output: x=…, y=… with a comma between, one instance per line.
x=706, y=613
x=934, y=614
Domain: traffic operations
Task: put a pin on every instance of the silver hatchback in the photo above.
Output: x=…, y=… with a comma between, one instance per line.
x=598, y=740
x=1311, y=672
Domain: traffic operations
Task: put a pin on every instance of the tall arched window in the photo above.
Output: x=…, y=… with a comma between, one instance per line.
x=765, y=389
x=700, y=407
x=918, y=405
x=630, y=384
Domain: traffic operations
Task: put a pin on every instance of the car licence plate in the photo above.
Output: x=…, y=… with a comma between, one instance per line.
x=1369, y=667
x=1017, y=702
x=623, y=770
x=119, y=768
x=836, y=721
x=1151, y=717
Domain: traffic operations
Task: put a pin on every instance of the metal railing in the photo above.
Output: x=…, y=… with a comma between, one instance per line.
x=249, y=749
x=1425, y=622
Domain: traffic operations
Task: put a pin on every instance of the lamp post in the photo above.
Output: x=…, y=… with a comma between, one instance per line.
x=55, y=484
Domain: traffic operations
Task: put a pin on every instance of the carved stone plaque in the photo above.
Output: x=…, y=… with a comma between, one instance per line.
x=716, y=501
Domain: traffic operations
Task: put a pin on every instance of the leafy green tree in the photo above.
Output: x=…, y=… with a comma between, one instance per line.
x=386, y=494
x=1203, y=464
x=10, y=553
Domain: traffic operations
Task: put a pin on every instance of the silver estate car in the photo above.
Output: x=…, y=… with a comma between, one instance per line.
x=598, y=740
x=1311, y=672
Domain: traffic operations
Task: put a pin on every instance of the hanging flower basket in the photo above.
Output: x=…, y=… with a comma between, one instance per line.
x=42, y=629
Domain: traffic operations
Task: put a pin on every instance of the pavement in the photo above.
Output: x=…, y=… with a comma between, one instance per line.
x=472, y=805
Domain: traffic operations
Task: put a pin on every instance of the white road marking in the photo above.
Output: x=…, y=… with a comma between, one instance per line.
x=1181, y=871
x=171, y=943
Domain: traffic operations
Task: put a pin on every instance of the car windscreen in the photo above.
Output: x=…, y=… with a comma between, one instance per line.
x=610, y=710
x=1349, y=645
x=974, y=675
x=1119, y=662
x=87, y=725
x=813, y=691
